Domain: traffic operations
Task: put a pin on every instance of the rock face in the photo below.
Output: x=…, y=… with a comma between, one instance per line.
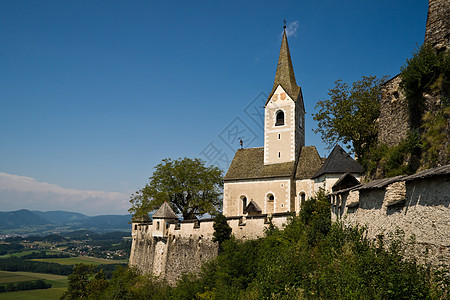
x=394, y=122
x=437, y=32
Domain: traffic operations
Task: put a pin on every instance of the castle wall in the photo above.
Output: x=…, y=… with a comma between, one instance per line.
x=438, y=24
x=420, y=208
x=188, y=244
x=394, y=120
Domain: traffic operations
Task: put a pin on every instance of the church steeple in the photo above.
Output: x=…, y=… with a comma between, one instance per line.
x=285, y=71
x=284, y=116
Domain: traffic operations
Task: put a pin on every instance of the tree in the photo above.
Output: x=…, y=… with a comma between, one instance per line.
x=188, y=185
x=349, y=115
x=222, y=231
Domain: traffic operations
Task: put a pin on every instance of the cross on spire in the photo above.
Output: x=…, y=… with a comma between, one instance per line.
x=284, y=21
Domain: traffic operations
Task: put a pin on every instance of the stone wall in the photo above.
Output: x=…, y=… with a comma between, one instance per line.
x=394, y=121
x=437, y=32
x=420, y=208
x=186, y=245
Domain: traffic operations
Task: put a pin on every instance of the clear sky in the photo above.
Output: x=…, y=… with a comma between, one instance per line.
x=93, y=94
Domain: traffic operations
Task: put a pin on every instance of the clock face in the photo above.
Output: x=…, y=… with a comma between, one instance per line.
x=283, y=96
x=275, y=97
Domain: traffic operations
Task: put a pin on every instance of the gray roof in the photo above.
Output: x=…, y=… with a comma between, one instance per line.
x=249, y=164
x=339, y=162
x=252, y=207
x=376, y=184
x=285, y=74
x=309, y=163
x=346, y=181
x=164, y=212
x=443, y=170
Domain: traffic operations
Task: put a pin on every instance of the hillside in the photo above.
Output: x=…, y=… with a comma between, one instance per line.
x=37, y=222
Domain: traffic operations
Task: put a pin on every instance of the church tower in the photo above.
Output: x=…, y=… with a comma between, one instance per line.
x=284, y=125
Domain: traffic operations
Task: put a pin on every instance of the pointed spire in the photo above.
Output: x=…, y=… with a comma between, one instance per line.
x=285, y=71
x=165, y=212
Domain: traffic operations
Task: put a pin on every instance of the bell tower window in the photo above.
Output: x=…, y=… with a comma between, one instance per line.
x=279, y=118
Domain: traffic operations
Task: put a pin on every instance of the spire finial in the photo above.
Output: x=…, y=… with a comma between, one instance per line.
x=284, y=26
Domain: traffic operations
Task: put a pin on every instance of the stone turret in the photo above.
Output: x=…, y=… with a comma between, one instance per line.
x=437, y=32
x=162, y=218
x=395, y=119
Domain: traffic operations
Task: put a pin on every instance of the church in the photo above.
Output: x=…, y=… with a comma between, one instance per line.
x=278, y=177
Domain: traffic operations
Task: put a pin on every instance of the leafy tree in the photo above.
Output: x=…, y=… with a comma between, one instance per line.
x=349, y=115
x=188, y=185
x=222, y=231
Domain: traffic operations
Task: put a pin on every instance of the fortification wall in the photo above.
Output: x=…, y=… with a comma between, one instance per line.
x=420, y=208
x=184, y=246
x=394, y=120
x=437, y=32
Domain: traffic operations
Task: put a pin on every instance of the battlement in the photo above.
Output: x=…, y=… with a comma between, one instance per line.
x=243, y=227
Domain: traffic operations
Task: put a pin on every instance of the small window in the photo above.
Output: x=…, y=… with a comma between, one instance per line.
x=279, y=118
x=157, y=225
x=279, y=154
x=300, y=121
x=135, y=227
x=302, y=198
x=270, y=197
x=244, y=203
x=279, y=136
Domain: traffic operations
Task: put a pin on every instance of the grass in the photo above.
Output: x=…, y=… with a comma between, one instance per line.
x=58, y=282
x=82, y=260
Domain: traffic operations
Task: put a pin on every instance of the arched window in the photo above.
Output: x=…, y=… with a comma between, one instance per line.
x=270, y=197
x=302, y=197
x=279, y=118
x=244, y=203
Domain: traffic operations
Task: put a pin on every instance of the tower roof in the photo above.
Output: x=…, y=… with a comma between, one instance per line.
x=164, y=212
x=285, y=72
x=339, y=162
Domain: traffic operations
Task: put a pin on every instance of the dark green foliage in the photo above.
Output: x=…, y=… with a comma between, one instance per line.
x=43, y=254
x=396, y=160
x=19, y=264
x=188, y=185
x=349, y=115
x=222, y=231
x=24, y=286
x=10, y=248
x=427, y=71
x=435, y=137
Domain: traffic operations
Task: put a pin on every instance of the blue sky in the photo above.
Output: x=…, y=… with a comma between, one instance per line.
x=93, y=94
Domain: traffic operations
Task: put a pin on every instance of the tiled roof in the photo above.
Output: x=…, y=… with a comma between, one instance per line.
x=285, y=74
x=309, y=163
x=339, y=162
x=249, y=164
x=164, y=212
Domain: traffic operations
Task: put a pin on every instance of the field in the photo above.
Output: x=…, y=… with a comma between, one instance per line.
x=82, y=260
x=58, y=282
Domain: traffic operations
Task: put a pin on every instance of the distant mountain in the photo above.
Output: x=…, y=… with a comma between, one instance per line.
x=108, y=222
x=20, y=218
x=62, y=217
x=36, y=222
